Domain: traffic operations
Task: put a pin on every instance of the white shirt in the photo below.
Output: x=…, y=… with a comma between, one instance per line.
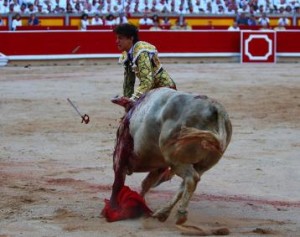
x=283, y=21
x=231, y=28
x=16, y=23
x=124, y=20
x=110, y=23
x=97, y=21
x=3, y=9
x=146, y=21
x=84, y=24
x=263, y=21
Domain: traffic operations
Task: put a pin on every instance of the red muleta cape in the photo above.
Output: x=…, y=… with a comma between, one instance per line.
x=131, y=205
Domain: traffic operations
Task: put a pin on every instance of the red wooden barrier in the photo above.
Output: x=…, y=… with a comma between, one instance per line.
x=20, y=28
x=3, y=28
x=103, y=42
x=99, y=27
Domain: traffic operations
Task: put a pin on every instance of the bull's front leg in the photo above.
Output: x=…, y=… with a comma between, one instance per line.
x=154, y=178
x=122, y=152
x=118, y=184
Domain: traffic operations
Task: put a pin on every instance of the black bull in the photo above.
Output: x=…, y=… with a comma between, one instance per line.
x=170, y=132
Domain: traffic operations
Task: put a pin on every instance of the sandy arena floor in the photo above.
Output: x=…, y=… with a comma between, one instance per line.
x=55, y=172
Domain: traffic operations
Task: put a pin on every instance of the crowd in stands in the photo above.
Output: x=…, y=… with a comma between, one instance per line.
x=114, y=7
x=114, y=12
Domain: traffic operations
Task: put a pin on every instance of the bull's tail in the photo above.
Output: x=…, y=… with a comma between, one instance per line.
x=209, y=140
x=224, y=129
x=216, y=141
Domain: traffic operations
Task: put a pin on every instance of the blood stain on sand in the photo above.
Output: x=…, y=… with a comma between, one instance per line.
x=79, y=183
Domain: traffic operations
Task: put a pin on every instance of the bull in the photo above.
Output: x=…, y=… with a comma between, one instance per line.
x=166, y=133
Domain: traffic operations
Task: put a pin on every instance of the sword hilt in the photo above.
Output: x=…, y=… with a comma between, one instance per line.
x=85, y=119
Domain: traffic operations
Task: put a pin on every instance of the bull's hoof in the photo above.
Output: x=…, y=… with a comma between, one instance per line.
x=181, y=217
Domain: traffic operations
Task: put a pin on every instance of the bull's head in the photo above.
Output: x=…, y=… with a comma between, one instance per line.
x=126, y=102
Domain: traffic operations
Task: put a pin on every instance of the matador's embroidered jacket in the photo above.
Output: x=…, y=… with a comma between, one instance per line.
x=142, y=62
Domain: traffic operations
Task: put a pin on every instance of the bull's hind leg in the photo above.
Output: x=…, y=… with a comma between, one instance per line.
x=163, y=213
x=190, y=180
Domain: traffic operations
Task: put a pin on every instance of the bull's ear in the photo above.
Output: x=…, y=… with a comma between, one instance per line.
x=126, y=102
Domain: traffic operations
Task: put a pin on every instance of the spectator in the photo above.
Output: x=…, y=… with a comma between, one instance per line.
x=1, y=21
x=84, y=22
x=96, y=20
x=17, y=21
x=4, y=7
x=69, y=8
x=191, y=9
x=58, y=10
x=221, y=10
x=137, y=10
x=121, y=18
x=62, y=4
x=208, y=8
x=155, y=27
x=33, y=20
x=78, y=8
x=22, y=8
x=280, y=26
x=49, y=8
x=108, y=8
x=242, y=19
x=288, y=9
x=95, y=6
x=261, y=9
x=244, y=6
x=264, y=20
x=232, y=7
x=163, y=6
x=110, y=20
x=181, y=24
x=41, y=10
x=155, y=19
x=280, y=4
x=11, y=9
x=181, y=9
x=154, y=7
x=234, y=27
x=88, y=9
x=31, y=9
x=173, y=7
x=146, y=20
x=294, y=4
x=119, y=5
x=165, y=23
x=144, y=5
x=281, y=10
x=15, y=5
x=251, y=21
x=283, y=21
x=253, y=5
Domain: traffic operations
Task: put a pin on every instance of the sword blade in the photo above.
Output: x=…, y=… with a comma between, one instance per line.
x=75, y=108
